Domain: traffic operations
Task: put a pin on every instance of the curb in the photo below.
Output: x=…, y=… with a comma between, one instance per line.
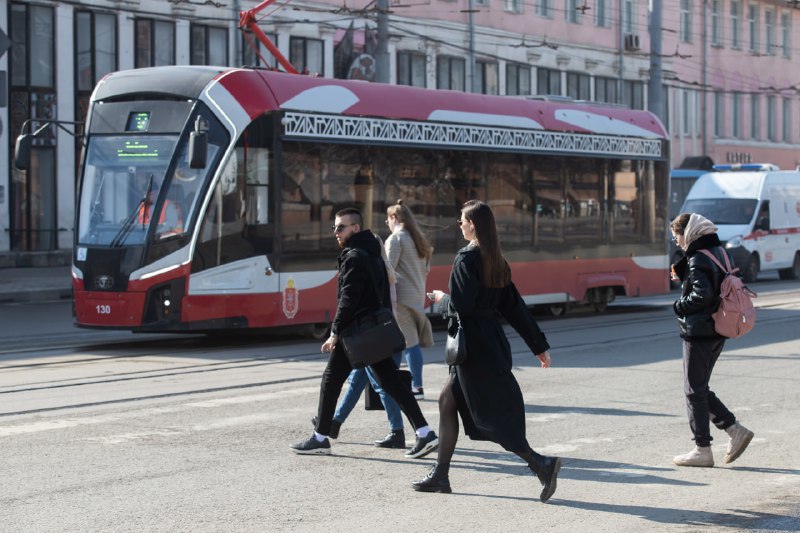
x=48, y=295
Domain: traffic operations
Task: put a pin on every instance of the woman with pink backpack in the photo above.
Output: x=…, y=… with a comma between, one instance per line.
x=701, y=279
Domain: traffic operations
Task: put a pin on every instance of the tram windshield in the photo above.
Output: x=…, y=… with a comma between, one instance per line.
x=126, y=190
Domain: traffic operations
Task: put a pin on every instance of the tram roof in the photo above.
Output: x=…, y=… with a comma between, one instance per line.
x=293, y=92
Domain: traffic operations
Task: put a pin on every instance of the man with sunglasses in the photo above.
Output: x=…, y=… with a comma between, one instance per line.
x=361, y=271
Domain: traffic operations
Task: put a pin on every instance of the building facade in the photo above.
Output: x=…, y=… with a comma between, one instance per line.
x=728, y=88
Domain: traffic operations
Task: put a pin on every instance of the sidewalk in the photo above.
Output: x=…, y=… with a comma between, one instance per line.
x=35, y=284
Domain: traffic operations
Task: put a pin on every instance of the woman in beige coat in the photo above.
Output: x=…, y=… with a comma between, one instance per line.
x=410, y=253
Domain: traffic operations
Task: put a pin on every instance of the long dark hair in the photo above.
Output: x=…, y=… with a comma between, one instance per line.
x=496, y=273
x=404, y=216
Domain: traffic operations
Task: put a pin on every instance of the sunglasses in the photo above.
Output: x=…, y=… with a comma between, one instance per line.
x=340, y=227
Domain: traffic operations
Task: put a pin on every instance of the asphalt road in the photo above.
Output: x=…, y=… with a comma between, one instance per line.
x=107, y=431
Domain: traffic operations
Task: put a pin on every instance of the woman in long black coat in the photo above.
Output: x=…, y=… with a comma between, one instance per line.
x=483, y=390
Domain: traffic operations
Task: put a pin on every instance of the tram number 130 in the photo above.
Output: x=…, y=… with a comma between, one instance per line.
x=103, y=309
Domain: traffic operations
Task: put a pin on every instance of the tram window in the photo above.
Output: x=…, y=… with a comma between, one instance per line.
x=508, y=196
x=624, y=197
x=549, y=197
x=584, y=195
x=408, y=174
x=223, y=237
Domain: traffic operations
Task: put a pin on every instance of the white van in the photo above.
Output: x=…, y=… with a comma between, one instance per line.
x=757, y=210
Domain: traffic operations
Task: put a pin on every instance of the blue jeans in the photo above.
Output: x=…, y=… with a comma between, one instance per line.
x=414, y=360
x=356, y=383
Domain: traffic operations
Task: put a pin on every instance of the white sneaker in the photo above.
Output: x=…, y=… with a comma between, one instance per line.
x=700, y=456
x=740, y=437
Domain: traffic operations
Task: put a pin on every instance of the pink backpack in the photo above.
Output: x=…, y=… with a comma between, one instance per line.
x=736, y=314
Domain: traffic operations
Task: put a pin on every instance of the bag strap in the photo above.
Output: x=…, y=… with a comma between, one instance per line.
x=716, y=261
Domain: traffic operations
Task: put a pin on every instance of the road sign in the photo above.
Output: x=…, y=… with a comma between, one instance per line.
x=5, y=43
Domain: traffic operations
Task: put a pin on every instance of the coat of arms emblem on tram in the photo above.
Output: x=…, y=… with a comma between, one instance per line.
x=290, y=299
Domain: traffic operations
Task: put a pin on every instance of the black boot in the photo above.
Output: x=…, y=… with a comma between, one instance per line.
x=546, y=469
x=435, y=481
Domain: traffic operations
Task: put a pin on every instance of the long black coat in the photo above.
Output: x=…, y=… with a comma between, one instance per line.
x=487, y=394
x=700, y=288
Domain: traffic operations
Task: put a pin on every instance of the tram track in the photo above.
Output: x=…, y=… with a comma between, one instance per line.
x=238, y=365
x=582, y=326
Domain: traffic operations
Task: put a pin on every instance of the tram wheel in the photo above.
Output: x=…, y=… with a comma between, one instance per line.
x=556, y=309
x=317, y=331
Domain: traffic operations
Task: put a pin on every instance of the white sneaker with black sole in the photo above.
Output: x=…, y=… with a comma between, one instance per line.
x=312, y=446
x=424, y=446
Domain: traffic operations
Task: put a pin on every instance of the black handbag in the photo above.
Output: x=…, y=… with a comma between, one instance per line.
x=372, y=338
x=455, y=349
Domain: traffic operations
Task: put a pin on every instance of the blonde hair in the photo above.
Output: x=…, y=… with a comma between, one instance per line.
x=404, y=216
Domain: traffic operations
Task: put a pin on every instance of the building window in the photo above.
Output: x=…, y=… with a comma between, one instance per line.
x=628, y=15
x=544, y=8
x=787, y=120
x=578, y=86
x=450, y=73
x=518, y=79
x=755, y=115
x=548, y=81
x=412, y=69
x=486, y=78
x=605, y=90
x=95, y=47
x=155, y=43
x=249, y=46
x=786, y=34
x=686, y=21
x=602, y=13
x=574, y=11
x=512, y=6
x=209, y=45
x=716, y=22
x=687, y=112
x=307, y=55
x=634, y=94
x=32, y=213
x=752, y=27
x=771, y=133
x=736, y=24
x=736, y=115
x=769, y=30
x=719, y=114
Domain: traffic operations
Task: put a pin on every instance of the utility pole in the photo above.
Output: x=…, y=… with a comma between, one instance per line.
x=655, y=95
x=382, y=52
x=472, y=80
x=704, y=67
x=621, y=81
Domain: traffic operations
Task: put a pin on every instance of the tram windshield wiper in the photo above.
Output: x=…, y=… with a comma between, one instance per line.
x=127, y=226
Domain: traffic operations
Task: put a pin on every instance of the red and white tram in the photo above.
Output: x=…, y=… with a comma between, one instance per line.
x=207, y=194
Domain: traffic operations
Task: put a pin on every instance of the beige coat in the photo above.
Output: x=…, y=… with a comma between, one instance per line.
x=411, y=272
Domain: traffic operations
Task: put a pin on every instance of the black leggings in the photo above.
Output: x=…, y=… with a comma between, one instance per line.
x=448, y=430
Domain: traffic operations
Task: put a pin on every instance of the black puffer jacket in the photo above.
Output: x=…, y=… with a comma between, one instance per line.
x=701, y=280
x=362, y=277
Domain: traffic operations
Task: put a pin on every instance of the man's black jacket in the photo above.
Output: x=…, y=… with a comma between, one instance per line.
x=362, y=278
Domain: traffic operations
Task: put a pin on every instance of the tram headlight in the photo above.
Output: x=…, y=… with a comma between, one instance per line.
x=734, y=242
